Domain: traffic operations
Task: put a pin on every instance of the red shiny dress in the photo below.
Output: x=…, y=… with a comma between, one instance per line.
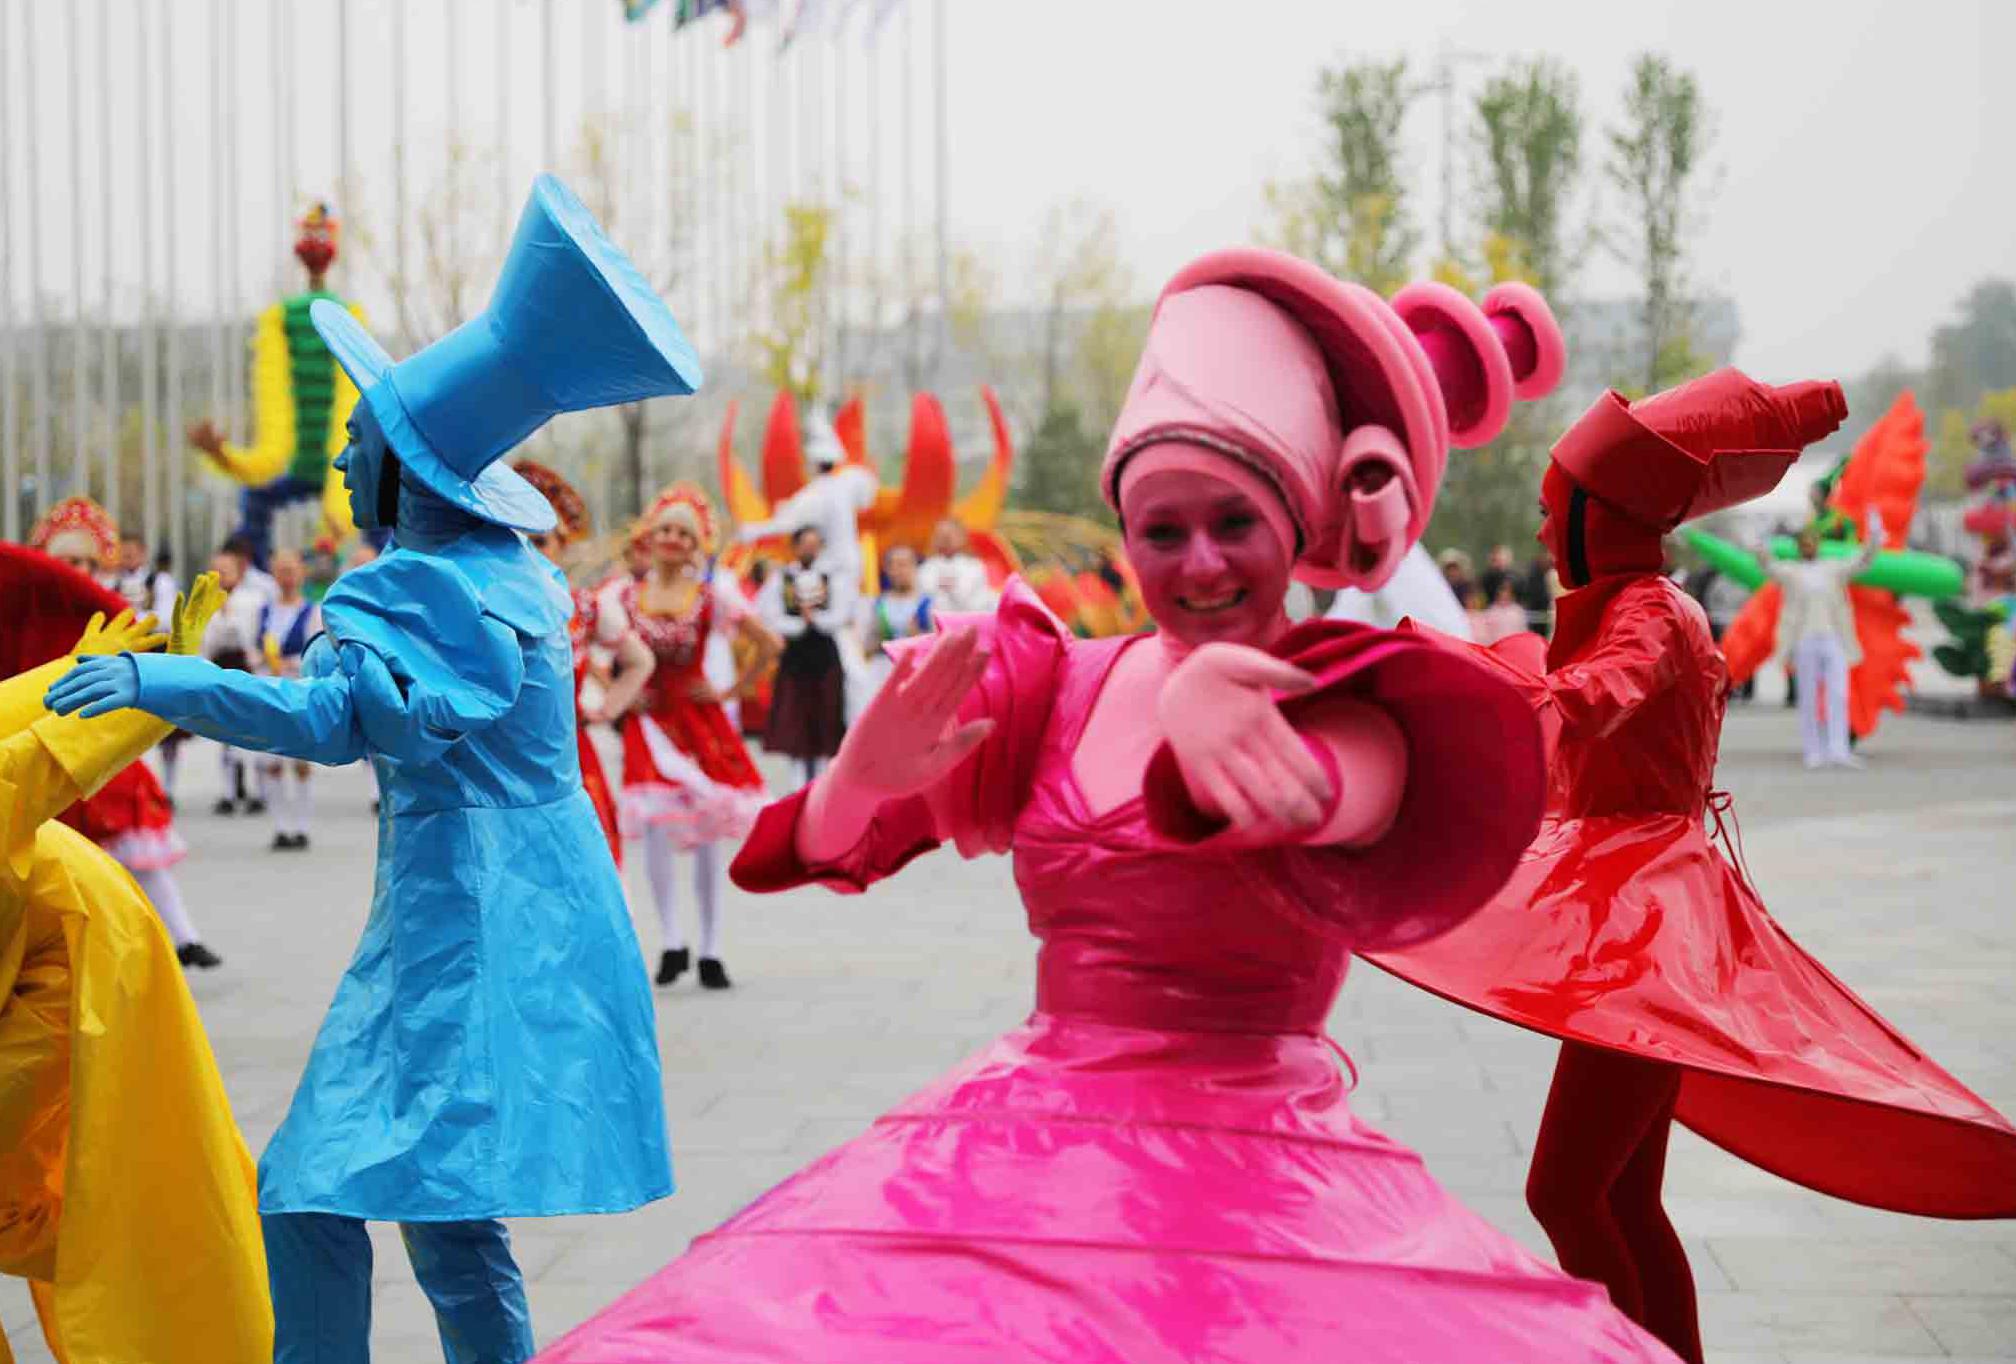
x=685, y=769
x=1624, y=928
x=581, y=633
x=1161, y=1165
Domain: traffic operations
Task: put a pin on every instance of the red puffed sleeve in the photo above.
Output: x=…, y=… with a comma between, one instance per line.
x=976, y=804
x=1476, y=784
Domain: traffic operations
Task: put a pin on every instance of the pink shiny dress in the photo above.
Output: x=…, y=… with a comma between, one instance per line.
x=1161, y=1165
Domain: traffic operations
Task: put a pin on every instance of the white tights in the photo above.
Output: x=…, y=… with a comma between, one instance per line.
x=288, y=797
x=658, y=851
x=160, y=888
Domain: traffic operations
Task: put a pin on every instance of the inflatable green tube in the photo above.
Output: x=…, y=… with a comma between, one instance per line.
x=1906, y=572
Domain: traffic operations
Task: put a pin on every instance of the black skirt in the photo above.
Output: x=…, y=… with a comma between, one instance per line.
x=808, y=704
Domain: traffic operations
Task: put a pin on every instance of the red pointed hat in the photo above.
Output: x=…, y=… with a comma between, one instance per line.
x=1716, y=442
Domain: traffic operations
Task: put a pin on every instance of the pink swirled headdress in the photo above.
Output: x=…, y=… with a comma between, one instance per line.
x=1303, y=378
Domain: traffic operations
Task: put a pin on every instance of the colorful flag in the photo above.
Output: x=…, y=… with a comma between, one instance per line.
x=633, y=10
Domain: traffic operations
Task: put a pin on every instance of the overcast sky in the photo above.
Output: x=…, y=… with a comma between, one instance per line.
x=1861, y=173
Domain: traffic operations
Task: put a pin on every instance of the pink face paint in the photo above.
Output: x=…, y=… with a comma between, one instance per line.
x=1212, y=568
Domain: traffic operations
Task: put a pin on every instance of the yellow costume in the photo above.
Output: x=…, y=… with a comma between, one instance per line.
x=127, y=1196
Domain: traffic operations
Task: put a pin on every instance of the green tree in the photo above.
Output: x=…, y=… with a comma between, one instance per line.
x=789, y=340
x=1059, y=467
x=1527, y=144
x=1953, y=441
x=1976, y=352
x=1352, y=216
x=1655, y=160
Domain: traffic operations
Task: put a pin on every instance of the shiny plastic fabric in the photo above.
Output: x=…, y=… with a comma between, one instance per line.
x=1161, y=1165
x=104, y=1067
x=491, y=1051
x=1624, y=928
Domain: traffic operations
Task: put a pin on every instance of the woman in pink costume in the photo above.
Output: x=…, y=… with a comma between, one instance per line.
x=1626, y=934
x=1162, y=1163
x=688, y=783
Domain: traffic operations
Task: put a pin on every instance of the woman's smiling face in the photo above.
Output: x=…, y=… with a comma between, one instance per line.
x=1211, y=569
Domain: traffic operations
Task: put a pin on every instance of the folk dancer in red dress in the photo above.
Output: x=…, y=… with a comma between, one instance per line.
x=1625, y=934
x=130, y=817
x=689, y=784
x=618, y=685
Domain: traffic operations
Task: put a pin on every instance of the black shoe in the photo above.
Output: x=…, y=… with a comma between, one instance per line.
x=713, y=975
x=283, y=843
x=255, y=806
x=300, y=843
x=672, y=965
x=225, y=806
x=196, y=954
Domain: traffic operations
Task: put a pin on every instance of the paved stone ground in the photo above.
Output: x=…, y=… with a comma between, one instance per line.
x=1898, y=877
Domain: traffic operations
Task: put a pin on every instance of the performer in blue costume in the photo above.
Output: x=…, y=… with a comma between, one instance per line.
x=491, y=1051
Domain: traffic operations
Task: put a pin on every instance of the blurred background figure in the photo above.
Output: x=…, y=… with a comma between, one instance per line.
x=286, y=624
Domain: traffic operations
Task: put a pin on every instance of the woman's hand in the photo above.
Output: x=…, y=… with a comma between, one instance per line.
x=193, y=611
x=908, y=737
x=1240, y=758
x=707, y=693
x=126, y=634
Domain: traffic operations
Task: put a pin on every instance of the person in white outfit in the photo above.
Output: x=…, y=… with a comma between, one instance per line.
x=1816, y=635
x=955, y=580
x=830, y=504
x=286, y=625
x=1417, y=590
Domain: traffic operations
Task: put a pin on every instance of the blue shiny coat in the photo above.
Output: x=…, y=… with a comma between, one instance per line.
x=491, y=1051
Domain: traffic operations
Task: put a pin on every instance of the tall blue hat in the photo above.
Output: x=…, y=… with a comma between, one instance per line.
x=571, y=325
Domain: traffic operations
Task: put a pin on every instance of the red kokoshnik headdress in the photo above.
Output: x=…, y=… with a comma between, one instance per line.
x=568, y=505
x=698, y=509
x=82, y=514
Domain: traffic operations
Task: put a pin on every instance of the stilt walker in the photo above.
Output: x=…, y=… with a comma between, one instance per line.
x=491, y=1052
x=1624, y=933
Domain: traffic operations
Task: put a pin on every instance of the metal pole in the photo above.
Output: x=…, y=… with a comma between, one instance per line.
x=944, y=170
x=235, y=358
x=547, y=146
x=874, y=175
x=837, y=348
x=344, y=181
x=150, y=396
x=502, y=28
x=906, y=244
x=178, y=444
x=219, y=66
x=108, y=337
x=402, y=282
x=280, y=36
x=37, y=310
x=10, y=441
x=80, y=445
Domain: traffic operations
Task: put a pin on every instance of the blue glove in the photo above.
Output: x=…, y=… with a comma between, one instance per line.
x=98, y=684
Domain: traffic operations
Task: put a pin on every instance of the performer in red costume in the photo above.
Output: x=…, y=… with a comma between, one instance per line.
x=130, y=816
x=689, y=785
x=633, y=662
x=1625, y=934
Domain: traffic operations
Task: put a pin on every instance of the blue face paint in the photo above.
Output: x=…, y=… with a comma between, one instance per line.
x=364, y=466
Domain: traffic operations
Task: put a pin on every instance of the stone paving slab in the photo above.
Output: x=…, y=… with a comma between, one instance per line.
x=1899, y=878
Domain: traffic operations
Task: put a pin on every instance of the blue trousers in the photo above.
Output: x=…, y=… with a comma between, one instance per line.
x=258, y=505
x=319, y=1267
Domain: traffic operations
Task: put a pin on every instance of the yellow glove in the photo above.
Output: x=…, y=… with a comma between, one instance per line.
x=193, y=610
x=125, y=635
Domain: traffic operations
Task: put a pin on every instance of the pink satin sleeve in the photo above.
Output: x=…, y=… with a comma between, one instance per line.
x=976, y=804
x=1476, y=785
